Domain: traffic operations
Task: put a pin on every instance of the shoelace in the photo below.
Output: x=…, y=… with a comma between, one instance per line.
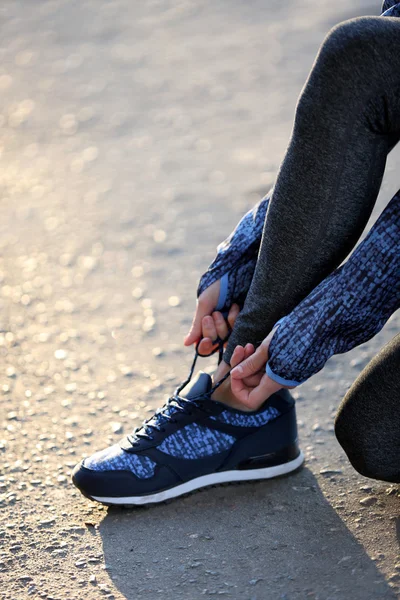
x=179, y=403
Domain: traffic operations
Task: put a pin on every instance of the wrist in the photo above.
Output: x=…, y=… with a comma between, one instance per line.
x=283, y=381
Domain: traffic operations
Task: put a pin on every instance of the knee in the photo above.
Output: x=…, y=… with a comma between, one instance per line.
x=351, y=66
x=366, y=425
x=370, y=446
x=359, y=44
x=352, y=444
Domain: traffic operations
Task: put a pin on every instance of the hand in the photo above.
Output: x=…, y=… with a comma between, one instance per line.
x=208, y=323
x=249, y=381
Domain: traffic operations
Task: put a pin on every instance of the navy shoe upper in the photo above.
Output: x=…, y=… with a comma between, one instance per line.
x=189, y=436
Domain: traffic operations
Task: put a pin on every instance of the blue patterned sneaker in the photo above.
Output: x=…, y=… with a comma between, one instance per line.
x=190, y=443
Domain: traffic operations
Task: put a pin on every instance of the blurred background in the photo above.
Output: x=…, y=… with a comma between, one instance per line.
x=133, y=137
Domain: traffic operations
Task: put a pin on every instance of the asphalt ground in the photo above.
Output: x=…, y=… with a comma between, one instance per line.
x=133, y=137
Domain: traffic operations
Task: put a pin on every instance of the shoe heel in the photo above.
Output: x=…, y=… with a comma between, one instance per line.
x=274, y=443
x=286, y=455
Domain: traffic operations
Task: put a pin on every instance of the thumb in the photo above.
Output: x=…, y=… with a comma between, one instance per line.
x=202, y=309
x=252, y=364
x=263, y=391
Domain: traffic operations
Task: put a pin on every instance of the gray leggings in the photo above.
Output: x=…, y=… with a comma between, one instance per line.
x=347, y=121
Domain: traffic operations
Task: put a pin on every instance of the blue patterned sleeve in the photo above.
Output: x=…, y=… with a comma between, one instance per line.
x=391, y=8
x=236, y=258
x=348, y=308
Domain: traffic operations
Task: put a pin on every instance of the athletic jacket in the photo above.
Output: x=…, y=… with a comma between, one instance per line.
x=346, y=309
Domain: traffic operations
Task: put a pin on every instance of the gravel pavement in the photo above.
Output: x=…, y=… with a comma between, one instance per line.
x=133, y=137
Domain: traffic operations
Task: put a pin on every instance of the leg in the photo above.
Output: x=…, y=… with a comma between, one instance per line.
x=347, y=120
x=367, y=424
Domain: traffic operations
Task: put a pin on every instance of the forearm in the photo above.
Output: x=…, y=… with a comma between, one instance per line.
x=236, y=257
x=348, y=308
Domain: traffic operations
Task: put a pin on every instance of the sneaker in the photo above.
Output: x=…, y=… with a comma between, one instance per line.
x=190, y=443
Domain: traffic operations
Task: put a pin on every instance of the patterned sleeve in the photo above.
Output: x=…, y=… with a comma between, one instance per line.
x=348, y=308
x=236, y=258
x=391, y=8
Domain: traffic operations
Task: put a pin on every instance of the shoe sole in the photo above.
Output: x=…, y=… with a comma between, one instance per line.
x=202, y=482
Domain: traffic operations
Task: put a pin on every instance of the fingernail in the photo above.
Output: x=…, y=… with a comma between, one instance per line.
x=238, y=369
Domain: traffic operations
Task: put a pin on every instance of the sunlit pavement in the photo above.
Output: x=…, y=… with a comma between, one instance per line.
x=133, y=137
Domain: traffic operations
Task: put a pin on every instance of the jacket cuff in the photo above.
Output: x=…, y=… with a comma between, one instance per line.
x=281, y=380
x=223, y=291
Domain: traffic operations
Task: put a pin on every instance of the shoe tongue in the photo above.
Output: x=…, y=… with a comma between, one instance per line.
x=202, y=384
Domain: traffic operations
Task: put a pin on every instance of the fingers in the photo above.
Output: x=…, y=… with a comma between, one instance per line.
x=209, y=328
x=248, y=350
x=233, y=314
x=252, y=364
x=214, y=327
x=240, y=388
x=237, y=356
x=241, y=353
x=206, y=303
x=253, y=380
x=203, y=325
x=195, y=329
x=263, y=391
x=206, y=346
x=220, y=324
x=209, y=332
x=254, y=397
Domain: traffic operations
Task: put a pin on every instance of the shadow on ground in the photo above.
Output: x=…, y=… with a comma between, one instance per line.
x=270, y=540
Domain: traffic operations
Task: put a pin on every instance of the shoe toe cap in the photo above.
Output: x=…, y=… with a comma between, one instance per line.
x=102, y=483
x=119, y=483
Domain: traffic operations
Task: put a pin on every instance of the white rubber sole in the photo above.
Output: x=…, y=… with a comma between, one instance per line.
x=204, y=481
